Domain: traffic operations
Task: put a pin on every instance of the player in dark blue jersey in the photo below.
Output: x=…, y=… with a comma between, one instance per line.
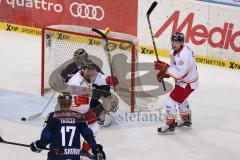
x=62, y=131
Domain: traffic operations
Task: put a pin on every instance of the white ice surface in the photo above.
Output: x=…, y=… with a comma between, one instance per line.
x=216, y=107
x=20, y=62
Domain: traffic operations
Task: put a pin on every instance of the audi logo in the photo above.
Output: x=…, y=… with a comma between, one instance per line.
x=88, y=11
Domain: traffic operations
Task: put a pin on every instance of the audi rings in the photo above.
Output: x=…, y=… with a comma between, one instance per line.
x=88, y=11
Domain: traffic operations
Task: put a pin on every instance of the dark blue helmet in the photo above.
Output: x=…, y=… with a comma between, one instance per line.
x=65, y=99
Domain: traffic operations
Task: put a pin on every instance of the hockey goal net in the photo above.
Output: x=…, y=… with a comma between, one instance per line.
x=59, y=43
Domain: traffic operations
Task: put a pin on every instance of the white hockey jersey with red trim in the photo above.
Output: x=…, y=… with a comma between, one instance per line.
x=183, y=68
x=78, y=81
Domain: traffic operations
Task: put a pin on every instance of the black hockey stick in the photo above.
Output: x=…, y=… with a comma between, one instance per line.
x=106, y=47
x=154, y=4
x=40, y=113
x=17, y=144
x=26, y=145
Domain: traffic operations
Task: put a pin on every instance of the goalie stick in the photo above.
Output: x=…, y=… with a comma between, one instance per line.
x=40, y=113
x=154, y=4
x=106, y=47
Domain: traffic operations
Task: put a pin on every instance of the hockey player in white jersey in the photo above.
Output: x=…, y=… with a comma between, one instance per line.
x=183, y=69
x=61, y=75
x=86, y=79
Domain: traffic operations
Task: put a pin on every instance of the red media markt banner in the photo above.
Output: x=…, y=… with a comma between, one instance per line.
x=120, y=16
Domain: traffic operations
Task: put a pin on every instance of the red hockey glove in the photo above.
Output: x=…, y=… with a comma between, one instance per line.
x=90, y=117
x=79, y=100
x=161, y=75
x=162, y=66
x=112, y=80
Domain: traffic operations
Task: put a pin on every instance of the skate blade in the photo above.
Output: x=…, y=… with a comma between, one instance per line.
x=183, y=126
x=86, y=158
x=166, y=133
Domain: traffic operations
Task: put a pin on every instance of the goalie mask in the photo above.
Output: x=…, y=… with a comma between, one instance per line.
x=65, y=100
x=80, y=57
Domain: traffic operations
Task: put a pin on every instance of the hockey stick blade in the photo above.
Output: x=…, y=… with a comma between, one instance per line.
x=99, y=32
x=104, y=36
x=13, y=143
x=16, y=144
x=44, y=109
x=154, y=4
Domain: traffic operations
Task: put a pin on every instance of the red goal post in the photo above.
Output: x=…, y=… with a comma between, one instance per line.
x=60, y=41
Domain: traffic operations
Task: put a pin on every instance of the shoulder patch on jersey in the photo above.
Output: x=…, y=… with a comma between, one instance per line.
x=180, y=62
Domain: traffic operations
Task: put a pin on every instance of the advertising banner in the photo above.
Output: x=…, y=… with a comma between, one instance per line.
x=208, y=30
x=224, y=2
x=120, y=16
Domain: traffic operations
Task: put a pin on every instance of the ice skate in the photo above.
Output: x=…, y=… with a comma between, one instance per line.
x=186, y=121
x=166, y=129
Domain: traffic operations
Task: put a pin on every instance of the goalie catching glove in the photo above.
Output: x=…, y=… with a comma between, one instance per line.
x=110, y=104
x=162, y=67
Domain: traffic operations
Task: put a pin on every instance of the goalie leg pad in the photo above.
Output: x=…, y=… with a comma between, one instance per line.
x=110, y=104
